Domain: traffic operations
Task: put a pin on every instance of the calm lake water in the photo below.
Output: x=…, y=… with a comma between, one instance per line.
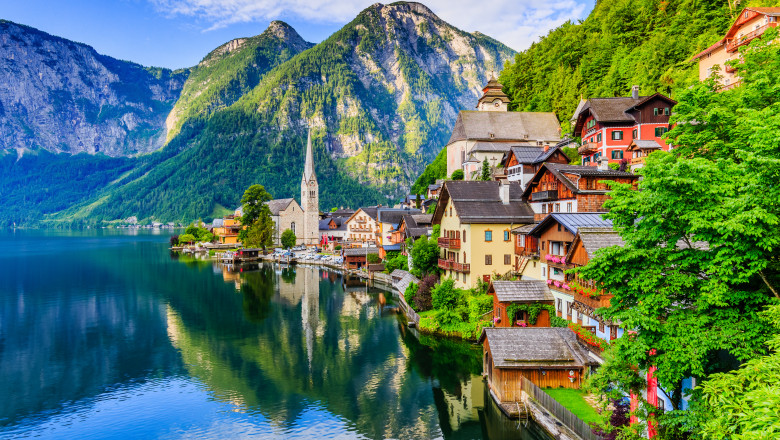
x=105, y=334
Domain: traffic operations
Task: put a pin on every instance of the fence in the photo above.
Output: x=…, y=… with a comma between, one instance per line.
x=568, y=418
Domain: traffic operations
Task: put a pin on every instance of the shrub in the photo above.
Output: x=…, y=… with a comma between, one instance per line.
x=186, y=238
x=445, y=295
x=337, y=247
x=174, y=240
x=395, y=260
x=373, y=259
x=557, y=321
x=448, y=317
x=422, y=300
x=479, y=305
x=410, y=293
x=457, y=175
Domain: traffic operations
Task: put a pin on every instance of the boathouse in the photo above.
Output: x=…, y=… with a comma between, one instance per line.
x=357, y=258
x=548, y=357
x=528, y=302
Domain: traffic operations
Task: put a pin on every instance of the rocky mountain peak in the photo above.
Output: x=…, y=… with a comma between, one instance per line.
x=287, y=34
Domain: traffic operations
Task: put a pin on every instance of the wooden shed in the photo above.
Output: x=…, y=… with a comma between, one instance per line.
x=530, y=295
x=356, y=258
x=548, y=357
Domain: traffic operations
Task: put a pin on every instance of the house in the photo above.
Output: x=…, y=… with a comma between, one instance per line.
x=749, y=25
x=388, y=220
x=411, y=200
x=362, y=227
x=412, y=226
x=476, y=221
x=571, y=188
x=638, y=150
x=587, y=297
x=332, y=230
x=519, y=299
x=522, y=162
x=287, y=214
x=608, y=125
x=487, y=133
x=555, y=235
x=356, y=258
x=434, y=189
x=526, y=255
x=226, y=229
x=548, y=357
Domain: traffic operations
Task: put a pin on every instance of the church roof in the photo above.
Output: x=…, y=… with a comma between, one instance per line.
x=278, y=205
x=506, y=126
x=308, y=169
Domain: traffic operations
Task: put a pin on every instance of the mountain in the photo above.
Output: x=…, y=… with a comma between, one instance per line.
x=380, y=96
x=62, y=96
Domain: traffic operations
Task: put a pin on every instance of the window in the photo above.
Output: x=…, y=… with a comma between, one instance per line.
x=656, y=111
x=488, y=260
x=555, y=247
x=568, y=309
x=488, y=235
x=667, y=111
x=634, y=134
x=450, y=211
x=557, y=207
x=598, y=137
x=507, y=259
x=559, y=227
x=542, y=245
x=544, y=209
x=543, y=274
x=560, y=306
x=568, y=207
x=506, y=235
x=591, y=123
x=464, y=277
x=617, y=154
x=464, y=235
x=292, y=227
x=601, y=327
x=617, y=135
x=659, y=131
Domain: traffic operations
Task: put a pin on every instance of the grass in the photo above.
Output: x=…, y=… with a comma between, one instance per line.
x=465, y=330
x=574, y=401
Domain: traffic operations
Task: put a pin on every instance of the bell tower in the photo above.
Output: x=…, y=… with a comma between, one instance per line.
x=310, y=200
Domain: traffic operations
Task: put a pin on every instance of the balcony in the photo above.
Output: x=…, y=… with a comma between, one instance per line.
x=734, y=44
x=449, y=243
x=593, y=302
x=638, y=160
x=544, y=196
x=587, y=148
x=454, y=266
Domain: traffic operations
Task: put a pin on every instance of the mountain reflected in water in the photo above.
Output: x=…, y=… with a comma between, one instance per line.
x=109, y=335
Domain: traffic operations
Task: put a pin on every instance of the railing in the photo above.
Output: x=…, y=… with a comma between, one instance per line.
x=452, y=265
x=587, y=148
x=593, y=303
x=732, y=45
x=638, y=160
x=566, y=417
x=543, y=196
x=449, y=243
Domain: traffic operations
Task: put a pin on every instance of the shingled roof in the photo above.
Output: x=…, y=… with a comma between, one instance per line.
x=480, y=202
x=593, y=239
x=643, y=144
x=521, y=291
x=534, y=347
x=361, y=251
x=505, y=126
x=278, y=205
x=572, y=221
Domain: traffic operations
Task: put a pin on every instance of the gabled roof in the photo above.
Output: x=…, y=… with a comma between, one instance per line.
x=370, y=211
x=525, y=229
x=534, y=347
x=505, y=126
x=361, y=251
x=520, y=291
x=480, y=202
x=593, y=239
x=643, y=144
x=563, y=171
x=572, y=221
x=393, y=216
x=278, y=205
x=343, y=212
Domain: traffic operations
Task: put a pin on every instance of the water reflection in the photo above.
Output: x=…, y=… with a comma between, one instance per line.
x=158, y=345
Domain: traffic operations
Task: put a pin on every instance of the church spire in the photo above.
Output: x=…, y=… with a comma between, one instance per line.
x=308, y=169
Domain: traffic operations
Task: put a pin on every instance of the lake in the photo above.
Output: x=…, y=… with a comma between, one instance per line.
x=106, y=334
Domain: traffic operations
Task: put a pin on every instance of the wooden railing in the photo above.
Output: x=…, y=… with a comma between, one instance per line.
x=732, y=45
x=449, y=243
x=638, y=160
x=587, y=148
x=593, y=302
x=452, y=265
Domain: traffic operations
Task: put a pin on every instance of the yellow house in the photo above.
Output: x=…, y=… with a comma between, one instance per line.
x=226, y=229
x=476, y=221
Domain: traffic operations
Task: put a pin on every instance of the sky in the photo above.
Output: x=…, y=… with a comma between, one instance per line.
x=179, y=33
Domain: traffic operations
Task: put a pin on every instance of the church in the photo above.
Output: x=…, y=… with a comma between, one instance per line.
x=303, y=219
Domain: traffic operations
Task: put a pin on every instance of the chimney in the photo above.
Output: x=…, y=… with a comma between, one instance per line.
x=546, y=147
x=503, y=192
x=635, y=92
x=604, y=165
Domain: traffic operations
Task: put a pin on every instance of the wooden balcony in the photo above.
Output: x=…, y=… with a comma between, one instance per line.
x=454, y=266
x=449, y=243
x=587, y=148
x=638, y=160
x=544, y=196
x=734, y=44
x=593, y=302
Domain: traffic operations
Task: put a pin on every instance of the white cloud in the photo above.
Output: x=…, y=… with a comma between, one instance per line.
x=516, y=23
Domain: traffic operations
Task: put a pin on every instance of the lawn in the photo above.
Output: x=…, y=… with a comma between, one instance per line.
x=575, y=402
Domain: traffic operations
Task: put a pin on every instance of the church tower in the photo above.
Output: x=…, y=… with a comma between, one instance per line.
x=310, y=200
x=493, y=97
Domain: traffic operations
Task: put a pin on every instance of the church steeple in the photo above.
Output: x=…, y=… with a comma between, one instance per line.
x=493, y=97
x=308, y=169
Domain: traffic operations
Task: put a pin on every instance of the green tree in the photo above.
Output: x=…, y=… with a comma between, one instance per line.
x=186, y=238
x=258, y=227
x=425, y=256
x=288, y=238
x=457, y=175
x=485, y=170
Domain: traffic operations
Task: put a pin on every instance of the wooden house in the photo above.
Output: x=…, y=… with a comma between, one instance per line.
x=571, y=188
x=526, y=254
x=638, y=150
x=356, y=258
x=522, y=162
x=548, y=357
x=524, y=294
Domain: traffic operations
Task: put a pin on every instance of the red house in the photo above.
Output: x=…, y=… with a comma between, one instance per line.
x=608, y=125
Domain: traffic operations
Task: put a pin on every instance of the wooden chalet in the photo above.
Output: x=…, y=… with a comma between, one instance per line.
x=506, y=293
x=356, y=258
x=548, y=357
x=526, y=255
x=522, y=162
x=638, y=150
x=571, y=188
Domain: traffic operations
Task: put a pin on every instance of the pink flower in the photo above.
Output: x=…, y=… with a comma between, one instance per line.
x=563, y=260
x=557, y=283
x=549, y=281
x=566, y=287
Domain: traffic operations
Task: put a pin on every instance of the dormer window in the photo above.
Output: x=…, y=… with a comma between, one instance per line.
x=492, y=135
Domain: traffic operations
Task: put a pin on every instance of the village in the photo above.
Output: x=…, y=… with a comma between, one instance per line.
x=491, y=253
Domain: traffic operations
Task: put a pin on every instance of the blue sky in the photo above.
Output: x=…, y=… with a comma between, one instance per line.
x=179, y=33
